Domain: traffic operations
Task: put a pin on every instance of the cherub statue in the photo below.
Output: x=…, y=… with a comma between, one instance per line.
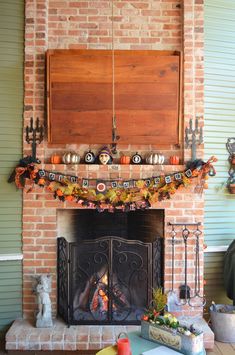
x=43, y=288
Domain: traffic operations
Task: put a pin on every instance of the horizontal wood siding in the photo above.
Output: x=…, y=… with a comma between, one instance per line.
x=10, y=293
x=11, y=109
x=219, y=125
x=219, y=116
x=214, y=288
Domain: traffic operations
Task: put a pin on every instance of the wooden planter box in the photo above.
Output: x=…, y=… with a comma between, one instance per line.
x=188, y=345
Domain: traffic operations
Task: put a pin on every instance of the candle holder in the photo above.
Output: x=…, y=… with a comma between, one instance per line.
x=230, y=145
x=193, y=137
x=34, y=135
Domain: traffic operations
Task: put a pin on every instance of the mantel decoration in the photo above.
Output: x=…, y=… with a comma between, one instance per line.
x=71, y=158
x=89, y=157
x=193, y=137
x=105, y=156
x=110, y=194
x=34, y=135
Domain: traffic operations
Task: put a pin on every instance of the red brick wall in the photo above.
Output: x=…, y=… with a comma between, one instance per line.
x=147, y=24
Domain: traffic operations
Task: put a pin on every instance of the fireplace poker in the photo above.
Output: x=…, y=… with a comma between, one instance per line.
x=197, y=285
x=184, y=289
x=173, y=302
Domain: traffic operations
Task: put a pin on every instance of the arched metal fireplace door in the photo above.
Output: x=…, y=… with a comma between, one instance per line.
x=107, y=280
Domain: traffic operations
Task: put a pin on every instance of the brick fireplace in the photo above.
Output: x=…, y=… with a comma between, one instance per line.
x=146, y=24
x=41, y=229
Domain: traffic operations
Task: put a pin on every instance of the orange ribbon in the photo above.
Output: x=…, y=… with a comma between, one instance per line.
x=19, y=171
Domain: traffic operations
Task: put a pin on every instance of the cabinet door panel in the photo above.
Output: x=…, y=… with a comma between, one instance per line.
x=78, y=127
x=146, y=127
x=147, y=96
x=79, y=96
x=147, y=100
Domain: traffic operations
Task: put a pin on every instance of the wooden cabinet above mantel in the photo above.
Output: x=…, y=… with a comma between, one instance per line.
x=147, y=96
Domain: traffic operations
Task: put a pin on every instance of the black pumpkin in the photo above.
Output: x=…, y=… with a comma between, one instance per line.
x=89, y=157
x=136, y=159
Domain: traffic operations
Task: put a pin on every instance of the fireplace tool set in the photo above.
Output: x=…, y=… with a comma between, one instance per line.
x=195, y=300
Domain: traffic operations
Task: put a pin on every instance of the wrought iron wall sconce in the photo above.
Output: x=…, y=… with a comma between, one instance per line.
x=34, y=135
x=230, y=145
x=193, y=137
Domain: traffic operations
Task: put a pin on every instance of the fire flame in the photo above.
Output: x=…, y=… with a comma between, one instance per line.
x=104, y=279
x=100, y=299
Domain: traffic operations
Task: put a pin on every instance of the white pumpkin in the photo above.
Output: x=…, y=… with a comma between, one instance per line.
x=161, y=159
x=155, y=158
x=71, y=158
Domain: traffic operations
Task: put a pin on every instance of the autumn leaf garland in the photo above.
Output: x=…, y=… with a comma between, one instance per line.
x=128, y=195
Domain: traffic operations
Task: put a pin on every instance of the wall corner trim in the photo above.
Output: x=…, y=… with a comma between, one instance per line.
x=9, y=257
x=216, y=249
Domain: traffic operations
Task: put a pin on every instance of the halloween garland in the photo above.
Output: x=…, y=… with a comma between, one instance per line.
x=102, y=194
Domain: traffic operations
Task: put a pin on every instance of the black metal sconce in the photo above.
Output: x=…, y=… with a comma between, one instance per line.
x=193, y=137
x=34, y=135
x=230, y=145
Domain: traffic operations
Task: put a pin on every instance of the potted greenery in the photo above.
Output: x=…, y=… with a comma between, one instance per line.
x=167, y=330
x=158, y=304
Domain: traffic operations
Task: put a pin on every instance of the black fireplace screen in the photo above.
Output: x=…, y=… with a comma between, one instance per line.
x=107, y=280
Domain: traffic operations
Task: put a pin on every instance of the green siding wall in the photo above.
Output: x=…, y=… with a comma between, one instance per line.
x=214, y=288
x=219, y=125
x=219, y=116
x=10, y=293
x=11, y=109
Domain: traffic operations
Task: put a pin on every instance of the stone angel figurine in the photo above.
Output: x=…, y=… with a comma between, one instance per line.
x=42, y=289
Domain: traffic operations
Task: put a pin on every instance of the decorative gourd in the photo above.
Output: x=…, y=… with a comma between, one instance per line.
x=174, y=160
x=71, y=158
x=125, y=159
x=136, y=159
x=56, y=159
x=152, y=159
x=89, y=157
x=155, y=158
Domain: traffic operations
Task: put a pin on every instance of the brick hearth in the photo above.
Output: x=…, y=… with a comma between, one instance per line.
x=24, y=336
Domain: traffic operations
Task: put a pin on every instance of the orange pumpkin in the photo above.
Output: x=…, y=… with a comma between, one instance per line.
x=41, y=182
x=56, y=159
x=125, y=159
x=59, y=192
x=174, y=160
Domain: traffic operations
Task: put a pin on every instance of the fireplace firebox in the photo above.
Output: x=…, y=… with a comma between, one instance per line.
x=107, y=279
